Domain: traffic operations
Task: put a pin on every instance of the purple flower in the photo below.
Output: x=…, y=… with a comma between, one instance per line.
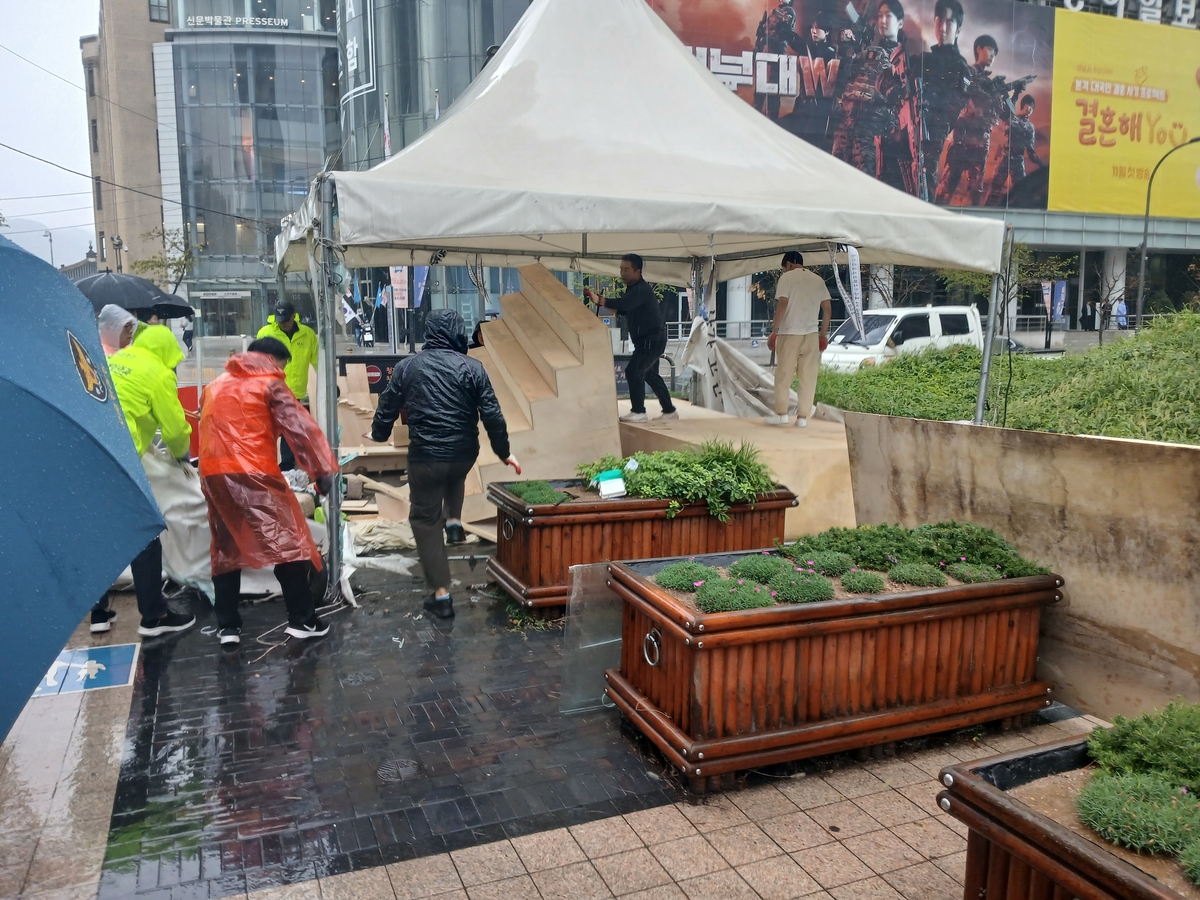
x=740, y=581
x=773, y=594
x=853, y=570
x=1183, y=790
x=766, y=553
x=697, y=583
x=812, y=562
x=963, y=558
x=758, y=590
x=812, y=572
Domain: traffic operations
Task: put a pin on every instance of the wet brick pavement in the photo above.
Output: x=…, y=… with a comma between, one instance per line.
x=240, y=774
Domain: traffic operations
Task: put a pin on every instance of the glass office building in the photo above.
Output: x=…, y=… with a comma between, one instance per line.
x=255, y=96
x=414, y=57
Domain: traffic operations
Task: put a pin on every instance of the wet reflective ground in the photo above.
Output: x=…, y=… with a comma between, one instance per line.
x=392, y=738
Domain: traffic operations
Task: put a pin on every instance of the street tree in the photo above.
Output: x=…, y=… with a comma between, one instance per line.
x=172, y=263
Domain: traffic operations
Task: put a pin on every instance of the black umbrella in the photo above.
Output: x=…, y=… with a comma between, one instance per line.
x=132, y=293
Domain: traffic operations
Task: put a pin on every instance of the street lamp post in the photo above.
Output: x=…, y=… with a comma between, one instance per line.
x=1141, y=298
x=117, y=245
x=47, y=234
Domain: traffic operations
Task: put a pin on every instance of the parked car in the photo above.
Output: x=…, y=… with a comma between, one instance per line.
x=891, y=332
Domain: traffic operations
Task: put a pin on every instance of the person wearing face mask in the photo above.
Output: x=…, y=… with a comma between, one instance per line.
x=143, y=374
x=253, y=516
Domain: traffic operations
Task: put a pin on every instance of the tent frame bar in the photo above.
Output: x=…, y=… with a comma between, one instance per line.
x=570, y=254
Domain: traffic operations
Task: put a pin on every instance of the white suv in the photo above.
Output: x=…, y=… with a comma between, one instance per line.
x=890, y=332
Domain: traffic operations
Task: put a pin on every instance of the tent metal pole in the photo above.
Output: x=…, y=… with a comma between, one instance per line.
x=990, y=336
x=328, y=346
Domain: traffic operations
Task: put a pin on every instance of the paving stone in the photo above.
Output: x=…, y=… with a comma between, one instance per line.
x=930, y=838
x=578, y=881
x=605, y=837
x=844, y=819
x=429, y=876
x=890, y=808
x=832, y=865
x=810, y=791
x=521, y=888
x=883, y=851
x=743, y=844
x=631, y=871
x=723, y=885
x=868, y=889
x=762, y=802
x=661, y=892
x=954, y=865
x=715, y=813
x=548, y=850
x=778, y=878
x=688, y=857
x=488, y=862
x=897, y=773
x=924, y=881
x=366, y=884
x=854, y=782
x=659, y=824
x=796, y=831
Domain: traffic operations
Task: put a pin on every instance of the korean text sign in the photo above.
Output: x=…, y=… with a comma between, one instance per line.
x=1125, y=93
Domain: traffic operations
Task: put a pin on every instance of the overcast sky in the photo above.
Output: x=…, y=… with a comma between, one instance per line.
x=41, y=115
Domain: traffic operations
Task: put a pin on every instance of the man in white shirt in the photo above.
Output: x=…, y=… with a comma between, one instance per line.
x=797, y=338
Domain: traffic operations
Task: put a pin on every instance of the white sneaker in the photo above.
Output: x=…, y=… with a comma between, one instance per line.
x=776, y=420
x=801, y=423
x=668, y=417
x=635, y=418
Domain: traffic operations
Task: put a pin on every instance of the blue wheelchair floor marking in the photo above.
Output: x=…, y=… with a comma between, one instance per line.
x=90, y=668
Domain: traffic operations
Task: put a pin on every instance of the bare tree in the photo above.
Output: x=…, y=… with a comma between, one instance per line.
x=1024, y=271
x=172, y=263
x=1112, y=284
x=898, y=285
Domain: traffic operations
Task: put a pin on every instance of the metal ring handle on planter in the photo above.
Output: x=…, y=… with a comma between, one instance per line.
x=653, y=639
x=508, y=529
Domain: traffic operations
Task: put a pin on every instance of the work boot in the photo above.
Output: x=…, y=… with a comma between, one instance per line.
x=455, y=534
x=442, y=607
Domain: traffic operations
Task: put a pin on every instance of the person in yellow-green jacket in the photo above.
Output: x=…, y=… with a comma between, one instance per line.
x=143, y=373
x=301, y=342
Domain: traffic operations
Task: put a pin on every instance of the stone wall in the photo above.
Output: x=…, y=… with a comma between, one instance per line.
x=1118, y=519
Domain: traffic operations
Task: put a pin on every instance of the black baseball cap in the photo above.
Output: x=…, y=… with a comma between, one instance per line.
x=284, y=310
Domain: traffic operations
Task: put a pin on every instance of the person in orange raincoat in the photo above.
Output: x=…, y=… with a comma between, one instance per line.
x=253, y=515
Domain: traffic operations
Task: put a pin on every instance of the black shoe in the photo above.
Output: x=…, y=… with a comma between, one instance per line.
x=230, y=636
x=102, y=620
x=172, y=621
x=455, y=534
x=313, y=628
x=442, y=607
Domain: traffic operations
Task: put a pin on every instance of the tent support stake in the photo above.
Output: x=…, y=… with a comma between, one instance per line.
x=328, y=346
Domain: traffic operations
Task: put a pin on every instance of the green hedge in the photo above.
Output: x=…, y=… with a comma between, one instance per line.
x=685, y=576
x=917, y=574
x=759, y=567
x=537, y=492
x=729, y=594
x=1142, y=386
x=859, y=582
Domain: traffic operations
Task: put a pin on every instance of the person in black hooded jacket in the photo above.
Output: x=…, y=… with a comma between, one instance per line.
x=444, y=393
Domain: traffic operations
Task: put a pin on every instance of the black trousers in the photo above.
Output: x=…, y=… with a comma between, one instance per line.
x=435, y=493
x=293, y=578
x=147, y=583
x=642, y=370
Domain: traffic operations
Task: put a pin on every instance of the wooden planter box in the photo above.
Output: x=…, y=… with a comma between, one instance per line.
x=537, y=544
x=727, y=691
x=1016, y=853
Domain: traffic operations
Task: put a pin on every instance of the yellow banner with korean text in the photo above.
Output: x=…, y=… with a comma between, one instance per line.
x=1125, y=94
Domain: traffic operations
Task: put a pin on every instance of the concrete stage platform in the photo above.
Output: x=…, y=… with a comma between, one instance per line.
x=812, y=462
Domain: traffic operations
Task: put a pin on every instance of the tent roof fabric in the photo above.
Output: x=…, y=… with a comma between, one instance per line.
x=592, y=133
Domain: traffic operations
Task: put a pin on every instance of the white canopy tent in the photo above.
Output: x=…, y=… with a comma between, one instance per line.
x=593, y=133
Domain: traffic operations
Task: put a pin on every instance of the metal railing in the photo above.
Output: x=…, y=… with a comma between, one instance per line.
x=752, y=329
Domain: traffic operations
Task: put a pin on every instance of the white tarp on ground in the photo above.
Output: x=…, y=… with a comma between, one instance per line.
x=592, y=133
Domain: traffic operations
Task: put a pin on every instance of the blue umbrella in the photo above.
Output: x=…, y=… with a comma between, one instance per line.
x=75, y=506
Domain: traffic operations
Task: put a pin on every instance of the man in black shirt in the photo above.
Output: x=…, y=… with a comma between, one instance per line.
x=648, y=332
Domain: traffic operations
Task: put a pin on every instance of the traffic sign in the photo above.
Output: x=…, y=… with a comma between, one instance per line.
x=90, y=668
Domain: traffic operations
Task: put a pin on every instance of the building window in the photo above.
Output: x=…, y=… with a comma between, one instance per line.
x=160, y=11
x=103, y=248
x=99, y=193
x=91, y=81
x=95, y=137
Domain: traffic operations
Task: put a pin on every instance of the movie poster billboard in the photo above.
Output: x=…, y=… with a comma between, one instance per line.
x=948, y=100
x=1126, y=94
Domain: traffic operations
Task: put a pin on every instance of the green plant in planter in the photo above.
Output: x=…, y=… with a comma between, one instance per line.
x=1190, y=860
x=759, y=567
x=537, y=492
x=729, y=594
x=857, y=581
x=870, y=546
x=685, y=576
x=1165, y=743
x=801, y=587
x=917, y=574
x=1143, y=812
x=968, y=573
x=718, y=474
